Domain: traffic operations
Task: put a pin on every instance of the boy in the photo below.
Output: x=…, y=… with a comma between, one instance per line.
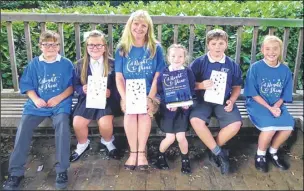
x=47, y=81
x=227, y=114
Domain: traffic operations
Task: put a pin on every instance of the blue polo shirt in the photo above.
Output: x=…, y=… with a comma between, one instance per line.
x=202, y=68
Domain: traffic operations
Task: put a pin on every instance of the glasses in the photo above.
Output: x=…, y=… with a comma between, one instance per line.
x=98, y=46
x=47, y=45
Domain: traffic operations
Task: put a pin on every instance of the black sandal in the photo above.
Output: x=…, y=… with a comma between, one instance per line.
x=130, y=167
x=143, y=166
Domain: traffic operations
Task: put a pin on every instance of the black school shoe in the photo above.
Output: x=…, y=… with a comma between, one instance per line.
x=186, y=168
x=12, y=183
x=75, y=156
x=214, y=160
x=261, y=163
x=161, y=162
x=114, y=154
x=61, y=180
x=223, y=159
x=277, y=161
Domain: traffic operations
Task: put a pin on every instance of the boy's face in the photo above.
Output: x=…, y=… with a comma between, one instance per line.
x=96, y=47
x=176, y=57
x=49, y=48
x=139, y=29
x=271, y=51
x=217, y=47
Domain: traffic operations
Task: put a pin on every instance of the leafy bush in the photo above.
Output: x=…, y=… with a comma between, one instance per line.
x=262, y=9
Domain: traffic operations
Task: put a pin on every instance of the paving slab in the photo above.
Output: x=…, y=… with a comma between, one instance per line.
x=96, y=171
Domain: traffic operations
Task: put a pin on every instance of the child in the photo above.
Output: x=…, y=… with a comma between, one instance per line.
x=174, y=121
x=96, y=62
x=138, y=56
x=228, y=116
x=47, y=81
x=268, y=85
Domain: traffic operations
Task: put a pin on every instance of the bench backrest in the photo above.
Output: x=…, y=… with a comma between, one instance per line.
x=273, y=24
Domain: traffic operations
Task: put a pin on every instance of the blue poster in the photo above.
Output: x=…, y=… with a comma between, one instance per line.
x=176, y=87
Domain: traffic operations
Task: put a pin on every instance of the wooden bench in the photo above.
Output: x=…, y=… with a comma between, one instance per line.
x=12, y=107
x=12, y=103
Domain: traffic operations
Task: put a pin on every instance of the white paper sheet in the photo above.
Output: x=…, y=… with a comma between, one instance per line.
x=96, y=92
x=136, y=97
x=216, y=93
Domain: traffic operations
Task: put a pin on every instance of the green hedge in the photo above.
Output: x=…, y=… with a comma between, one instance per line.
x=263, y=9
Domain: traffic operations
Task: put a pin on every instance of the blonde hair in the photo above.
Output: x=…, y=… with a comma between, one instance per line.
x=272, y=38
x=127, y=39
x=216, y=34
x=49, y=35
x=178, y=46
x=86, y=57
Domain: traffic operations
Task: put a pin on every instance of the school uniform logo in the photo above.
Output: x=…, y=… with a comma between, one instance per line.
x=226, y=70
x=271, y=87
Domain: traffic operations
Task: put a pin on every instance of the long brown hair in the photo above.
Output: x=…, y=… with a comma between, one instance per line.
x=86, y=57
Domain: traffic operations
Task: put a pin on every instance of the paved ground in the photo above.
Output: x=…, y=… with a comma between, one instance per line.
x=95, y=171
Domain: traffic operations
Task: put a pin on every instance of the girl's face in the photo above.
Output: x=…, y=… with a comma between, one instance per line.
x=271, y=51
x=217, y=48
x=49, y=49
x=176, y=57
x=139, y=29
x=96, y=47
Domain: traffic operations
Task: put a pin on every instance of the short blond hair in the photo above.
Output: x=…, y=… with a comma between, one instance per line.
x=181, y=47
x=272, y=38
x=216, y=34
x=49, y=35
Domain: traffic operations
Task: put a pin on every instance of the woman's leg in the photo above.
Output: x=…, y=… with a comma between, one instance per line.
x=144, y=128
x=131, y=130
x=80, y=125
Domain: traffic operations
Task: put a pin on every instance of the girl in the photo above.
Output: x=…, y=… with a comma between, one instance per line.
x=268, y=86
x=96, y=62
x=174, y=121
x=138, y=56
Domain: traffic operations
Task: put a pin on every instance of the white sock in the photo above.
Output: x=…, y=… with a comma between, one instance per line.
x=273, y=150
x=261, y=153
x=81, y=147
x=108, y=144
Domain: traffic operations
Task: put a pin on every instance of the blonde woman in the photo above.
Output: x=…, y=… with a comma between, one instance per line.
x=96, y=62
x=138, y=56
